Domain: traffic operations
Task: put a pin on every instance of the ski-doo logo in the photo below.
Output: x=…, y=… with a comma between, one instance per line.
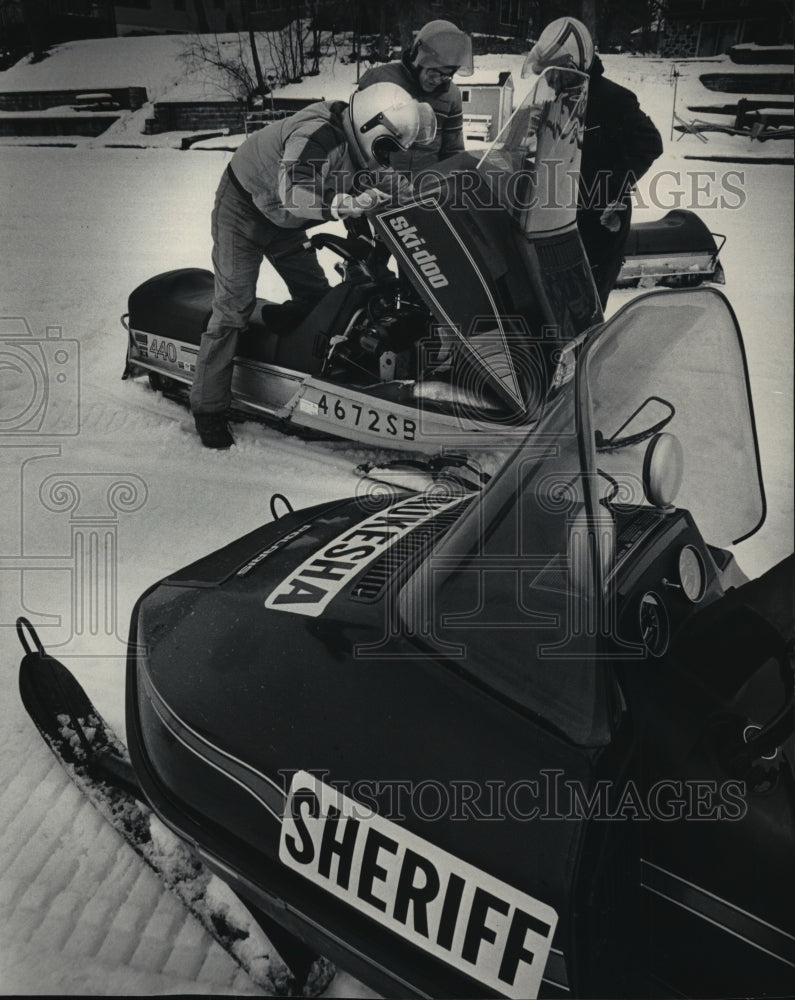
x=424, y=260
x=441, y=904
x=309, y=588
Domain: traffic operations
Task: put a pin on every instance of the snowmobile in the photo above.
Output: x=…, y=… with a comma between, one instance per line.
x=492, y=298
x=529, y=740
x=676, y=251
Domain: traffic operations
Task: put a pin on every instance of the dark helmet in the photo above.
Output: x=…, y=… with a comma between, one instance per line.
x=441, y=44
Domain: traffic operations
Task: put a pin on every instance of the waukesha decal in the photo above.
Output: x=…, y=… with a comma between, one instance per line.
x=310, y=587
x=422, y=258
x=456, y=912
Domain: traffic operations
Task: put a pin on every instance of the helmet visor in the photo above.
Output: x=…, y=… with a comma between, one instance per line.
x=537, y=60
x=427, y=130
x=530, y=67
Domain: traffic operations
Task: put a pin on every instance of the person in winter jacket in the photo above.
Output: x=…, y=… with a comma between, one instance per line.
x=325, y=162
x=619, y=146
x=425, y=71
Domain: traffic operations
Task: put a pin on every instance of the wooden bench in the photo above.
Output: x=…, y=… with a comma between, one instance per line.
x=477, y=126
x=95, y=102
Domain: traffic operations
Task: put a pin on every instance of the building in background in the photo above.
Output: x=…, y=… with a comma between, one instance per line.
x=490, y=17
x=487, y=103
x=33, y=25
x=710, y=27
x=179, y=16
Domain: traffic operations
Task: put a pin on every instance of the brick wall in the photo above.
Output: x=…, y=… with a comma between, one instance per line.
x=130, y=98
x=190, y=116
x=72, y=125
x=679, y=41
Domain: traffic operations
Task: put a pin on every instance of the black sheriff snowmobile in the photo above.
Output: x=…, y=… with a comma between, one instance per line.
x=534, y=740
x=494, y=296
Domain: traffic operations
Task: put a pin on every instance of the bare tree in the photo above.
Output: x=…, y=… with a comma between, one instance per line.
x=229, y=58
x=287, y=49
x=290, y=50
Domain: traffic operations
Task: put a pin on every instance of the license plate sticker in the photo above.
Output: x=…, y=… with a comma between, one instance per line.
x=478, y=924
x=365, y=417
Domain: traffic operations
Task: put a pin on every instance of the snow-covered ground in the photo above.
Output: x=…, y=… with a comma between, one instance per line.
x=81, y=227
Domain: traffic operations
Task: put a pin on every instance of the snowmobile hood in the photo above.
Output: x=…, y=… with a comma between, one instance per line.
x=247, y=701
x=494, y=251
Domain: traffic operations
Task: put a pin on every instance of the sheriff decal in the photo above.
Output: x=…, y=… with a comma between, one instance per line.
x=441, y=904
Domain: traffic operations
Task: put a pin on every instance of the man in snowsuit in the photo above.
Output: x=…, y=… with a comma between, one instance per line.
x=425, y=71
x=292, y=174
x=619, y=146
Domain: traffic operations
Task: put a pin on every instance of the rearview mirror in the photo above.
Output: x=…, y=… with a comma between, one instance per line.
x=649, y=418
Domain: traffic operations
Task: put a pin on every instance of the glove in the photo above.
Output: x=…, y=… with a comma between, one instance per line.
x=610, y=218
x=348, y=206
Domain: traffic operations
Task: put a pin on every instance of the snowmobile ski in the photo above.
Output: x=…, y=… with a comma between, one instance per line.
x=98, y=763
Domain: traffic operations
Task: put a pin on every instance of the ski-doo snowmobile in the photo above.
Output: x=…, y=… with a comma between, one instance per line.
x=494, y=297
x=530, y=741
x=677, y=251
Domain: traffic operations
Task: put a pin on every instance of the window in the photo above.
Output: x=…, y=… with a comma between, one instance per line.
x=717, y=37
x=509, y=12
x=465, y=97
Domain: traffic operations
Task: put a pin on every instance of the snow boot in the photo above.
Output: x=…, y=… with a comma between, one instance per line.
x=213, y=430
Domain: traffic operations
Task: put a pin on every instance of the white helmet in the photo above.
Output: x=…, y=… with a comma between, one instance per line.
x=383, y=118
x=564, y=42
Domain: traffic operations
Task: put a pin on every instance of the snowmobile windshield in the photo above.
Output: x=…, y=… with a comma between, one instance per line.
x=534, y=163
x=511, y=591
x=513, y=594
x=673, y=362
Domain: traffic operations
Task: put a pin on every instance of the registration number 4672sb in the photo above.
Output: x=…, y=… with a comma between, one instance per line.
x=358, y=416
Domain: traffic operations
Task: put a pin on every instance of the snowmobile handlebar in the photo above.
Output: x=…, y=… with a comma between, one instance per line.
x=349, y=248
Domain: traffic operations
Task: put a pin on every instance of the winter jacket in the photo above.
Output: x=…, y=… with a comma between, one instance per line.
x=293, y=168
x=620, y=142
x=446, y=102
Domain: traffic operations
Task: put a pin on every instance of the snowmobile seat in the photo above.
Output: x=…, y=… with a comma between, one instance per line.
x=178, y=304
x=679, y=231
x=174, y=304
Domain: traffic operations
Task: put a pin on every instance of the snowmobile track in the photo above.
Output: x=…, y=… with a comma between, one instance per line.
x=76, y=733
